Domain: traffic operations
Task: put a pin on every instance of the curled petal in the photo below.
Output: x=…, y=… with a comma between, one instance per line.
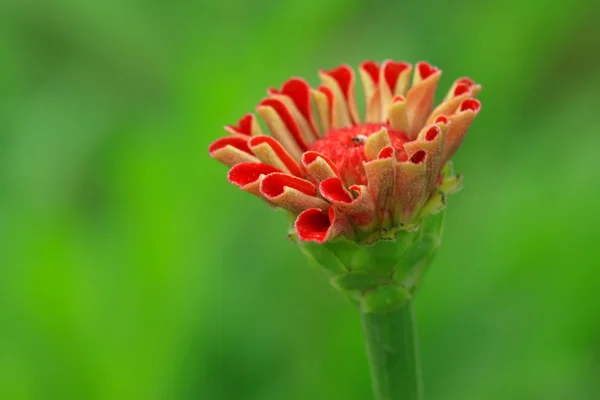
x=459, y=125
x=397, y=116
x=431, y=141
x=231, y=150
x=247, y=126
x=369, y=74
x=248, y=176
x=324, y=100
x=282, y=125
x=381, y=182
x=341, y=82
x=290, y=192
x=419, y=99
x=461, y=90
x=268, y=150
x=394, y=80
x=318, y=166
x=377, y=142
x=361, y=209
x=298, y=91
x=321, y=226
x=411, y=186
x=298, y=107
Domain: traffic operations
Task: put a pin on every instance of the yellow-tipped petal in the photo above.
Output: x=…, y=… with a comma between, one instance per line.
x=397, y=116
x=377, y=142
x=420, y=97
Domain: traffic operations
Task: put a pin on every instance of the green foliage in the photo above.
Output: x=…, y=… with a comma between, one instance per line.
x=131, y=269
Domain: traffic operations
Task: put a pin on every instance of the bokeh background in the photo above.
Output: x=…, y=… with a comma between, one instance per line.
x=131, y=269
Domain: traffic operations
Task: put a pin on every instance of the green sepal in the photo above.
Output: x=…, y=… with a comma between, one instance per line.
x=385, y=298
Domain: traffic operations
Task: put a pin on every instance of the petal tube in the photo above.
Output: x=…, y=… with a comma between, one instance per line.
x=411, y=186
x=397, y=116
x=231, y=150
x=268, y=150
x=248, y=176
x=298, y=91
x=381, y=182
x=341, y=83
x=419, y=99
x=291, y=193
x=459, y=125
x=377, y=142
x=282, y=125
x=318, y=166
x=323, y=98
x=461, y=90
x=361, y=209
x=247, y=126
x=394, y=80
x=431, y=139
x=321, y=226
x=369, y=75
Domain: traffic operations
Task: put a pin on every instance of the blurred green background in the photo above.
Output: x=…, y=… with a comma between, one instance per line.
x=131, y=269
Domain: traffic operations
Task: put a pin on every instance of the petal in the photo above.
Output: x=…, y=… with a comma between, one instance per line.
x=394, y=80
x=431, y=139
x=318, y=166
x=293, y=87
x=361, y=209
x=324, y=99
x=411, y=187
x=247, y=126
x=282, y=125
x=419, y=99
x=231, y=150
x=341, y=82
x=459, y=125
x=381, y=181
x=248, y=176
x=298, y=90
x=270, y=151
x=461, y=90
x=321, y=226
x=369, y=74
x=397, y=116
x=290, y=192
x=377, y=142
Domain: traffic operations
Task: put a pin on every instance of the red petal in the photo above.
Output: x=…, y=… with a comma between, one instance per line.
x=442, y=119
x=299, y=91
x=274, y=184
x=237, y=142
x=329, y=93
x=418, y=157
x=386, y=152
x=246, y=173
x=426, y=70
x=343, y=75
x=391, y=72
x=470, y=104
x=332, y=189
x=372, y=69
x=465, y=81
x=313, y=224
x=244, y=126
x=432, y=133
x=287, y=160
x=460, y=89
x=310, y=156
x=287, y=119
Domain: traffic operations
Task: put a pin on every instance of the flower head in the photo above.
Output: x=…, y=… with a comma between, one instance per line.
x=350, y=180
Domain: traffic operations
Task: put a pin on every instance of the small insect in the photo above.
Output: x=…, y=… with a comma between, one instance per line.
x=359, y=139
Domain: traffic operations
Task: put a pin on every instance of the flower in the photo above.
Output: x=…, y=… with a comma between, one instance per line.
x=354, y=185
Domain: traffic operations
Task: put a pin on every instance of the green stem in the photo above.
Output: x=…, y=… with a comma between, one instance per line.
x=393, y=350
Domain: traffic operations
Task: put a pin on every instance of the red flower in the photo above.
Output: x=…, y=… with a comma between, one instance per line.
x=343, y=176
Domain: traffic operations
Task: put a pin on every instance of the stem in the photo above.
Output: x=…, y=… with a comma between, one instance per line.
x=393, y=351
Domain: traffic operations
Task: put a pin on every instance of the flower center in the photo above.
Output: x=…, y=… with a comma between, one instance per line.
x=346, y=149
